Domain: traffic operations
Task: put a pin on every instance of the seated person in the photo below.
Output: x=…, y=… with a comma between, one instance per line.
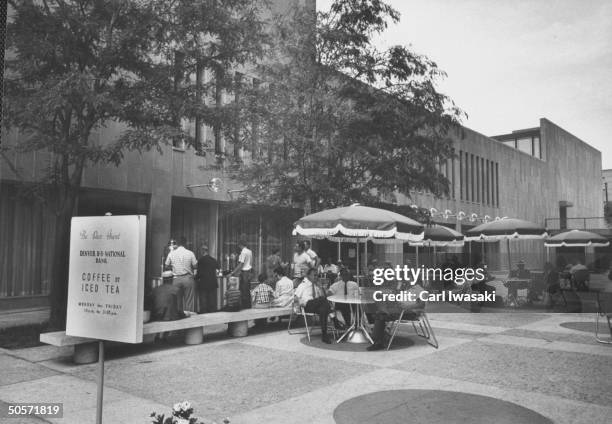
x=167, y=300
x=233, y=296
x=167, y=303
x=553, y=284
x=390, y=311
x=312, y=298
x=579, y=276
x=520, y=273
x=262, y=295
x=344, y=286
x=283, y=294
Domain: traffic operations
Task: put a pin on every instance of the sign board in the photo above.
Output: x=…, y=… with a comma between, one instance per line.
x=106, y=277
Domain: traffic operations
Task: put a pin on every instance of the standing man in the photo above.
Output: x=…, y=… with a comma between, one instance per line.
x=183, y=263
x=207, y=281
x=302, y=262
x=243, y=271
x=272, y=262
x=313, y=255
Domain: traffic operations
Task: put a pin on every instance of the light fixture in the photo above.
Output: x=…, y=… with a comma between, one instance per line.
x=447, y=213
x=460, y=215
x=473, y=217
x=213, y=185
x=486, y=218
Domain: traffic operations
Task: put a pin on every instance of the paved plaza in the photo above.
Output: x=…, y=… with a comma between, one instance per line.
x=502, y=367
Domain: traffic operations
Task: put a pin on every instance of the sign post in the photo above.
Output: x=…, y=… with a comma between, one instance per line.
x=106, y=283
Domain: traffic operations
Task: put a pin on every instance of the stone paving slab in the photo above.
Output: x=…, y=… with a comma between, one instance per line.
x=14, y=370
x=243, y=376
x=551, y=336
x=129, y=409
x=19, y=420
x=74, y=393
x=43, y=353
x=291, y=343
x=593, y=348
x=502, y=319
x=570, y=375
x=318, y=406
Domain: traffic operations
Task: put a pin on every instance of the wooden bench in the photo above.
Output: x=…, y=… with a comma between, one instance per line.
x=86, y=350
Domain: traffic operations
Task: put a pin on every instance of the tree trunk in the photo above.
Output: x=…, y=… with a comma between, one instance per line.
x=61, y=256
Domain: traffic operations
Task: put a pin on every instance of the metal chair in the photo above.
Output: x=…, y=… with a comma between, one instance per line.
x=419, y=321
x=298, y=311
x=604, y=310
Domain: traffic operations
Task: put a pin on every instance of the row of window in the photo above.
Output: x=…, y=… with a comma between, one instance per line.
x=526, y=144
x=478, y=179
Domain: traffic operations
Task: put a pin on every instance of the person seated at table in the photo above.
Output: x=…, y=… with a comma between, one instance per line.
x=520, y=272
x=283, y=293
x=167, y=300
x=263, y=294
x=579, y=276
x=312, y=298
x=233, y=296
x=552, y=284
x=167, y=303
x=390, y=311
x=343, y=287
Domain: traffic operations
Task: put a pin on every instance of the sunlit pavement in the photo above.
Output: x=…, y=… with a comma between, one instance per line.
x=540, y=365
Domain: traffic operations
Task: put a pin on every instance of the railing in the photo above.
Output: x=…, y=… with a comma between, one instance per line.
x=586, y=223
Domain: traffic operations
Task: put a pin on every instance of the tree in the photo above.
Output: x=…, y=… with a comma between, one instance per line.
x=343, y=121
x=77, y=65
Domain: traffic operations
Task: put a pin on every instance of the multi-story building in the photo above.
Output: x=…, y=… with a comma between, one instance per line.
x=533, y=174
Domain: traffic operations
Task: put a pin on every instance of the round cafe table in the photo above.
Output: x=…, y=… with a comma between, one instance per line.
x=357, y=332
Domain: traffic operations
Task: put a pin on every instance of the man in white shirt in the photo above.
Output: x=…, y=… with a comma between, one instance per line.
x=244, y=270
x=343, y=287
x=302, y=262
x=183, y=263
x=313, y=255
x=312, y=298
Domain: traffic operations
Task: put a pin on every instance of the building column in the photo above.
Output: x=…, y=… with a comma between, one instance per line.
x=160, y=214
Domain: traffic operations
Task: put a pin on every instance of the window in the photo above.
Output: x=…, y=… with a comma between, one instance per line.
x=537, y=148
x=496, y=184
x=482, y=181
x=237, y=88
x=478, y=182
x=488, y=184
x=179, y=74
x=524, y=145
x=453, y=175
x=461, y=175
x=219, y=148
x=199, y=138
x=471, y=198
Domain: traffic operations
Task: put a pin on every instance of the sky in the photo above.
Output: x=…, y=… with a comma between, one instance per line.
x=510, y=63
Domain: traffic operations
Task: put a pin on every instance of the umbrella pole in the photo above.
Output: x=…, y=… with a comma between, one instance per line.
x=470, y=253
x=417, y=256
x=365, y=260
x=339, y=251
x=509, y=260
x=357, y=271
x=435, y=257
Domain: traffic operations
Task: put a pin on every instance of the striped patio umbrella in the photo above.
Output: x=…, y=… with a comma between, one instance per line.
x=577, y=238
x=506, y=229
x=358, y=223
